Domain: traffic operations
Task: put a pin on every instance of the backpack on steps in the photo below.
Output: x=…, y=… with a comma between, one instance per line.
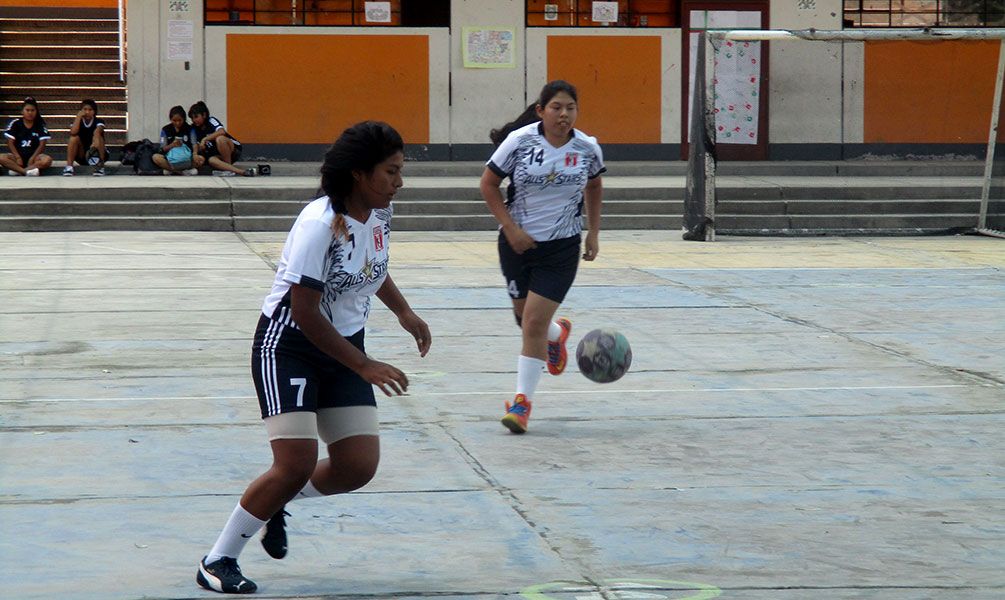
x=143, y=161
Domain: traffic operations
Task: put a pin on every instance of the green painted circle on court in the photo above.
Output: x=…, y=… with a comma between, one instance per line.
x=704, y=591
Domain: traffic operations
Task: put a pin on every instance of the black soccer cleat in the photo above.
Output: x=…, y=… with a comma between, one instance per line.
x=274, y=534
x=224, y=576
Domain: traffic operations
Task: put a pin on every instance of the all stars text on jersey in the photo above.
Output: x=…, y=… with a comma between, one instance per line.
x=553, y=178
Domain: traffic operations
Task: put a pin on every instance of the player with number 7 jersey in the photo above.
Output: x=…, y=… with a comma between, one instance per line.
x=312, y=374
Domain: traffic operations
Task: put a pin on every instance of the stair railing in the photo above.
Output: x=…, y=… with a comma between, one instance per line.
x=122, y=41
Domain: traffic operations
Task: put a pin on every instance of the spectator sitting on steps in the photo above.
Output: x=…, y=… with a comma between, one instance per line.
x=220, y=148
x=26, y=138
x=176, y=155
x=87, y=140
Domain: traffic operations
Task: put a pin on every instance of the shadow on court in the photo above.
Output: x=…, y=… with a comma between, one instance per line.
x=804, y=418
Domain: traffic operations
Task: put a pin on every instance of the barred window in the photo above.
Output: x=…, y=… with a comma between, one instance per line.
x=924, y=13
x=579, y=13
x=407, y=13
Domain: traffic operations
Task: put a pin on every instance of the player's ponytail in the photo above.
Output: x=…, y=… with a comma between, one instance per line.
x=359, y=149
x=529, y=114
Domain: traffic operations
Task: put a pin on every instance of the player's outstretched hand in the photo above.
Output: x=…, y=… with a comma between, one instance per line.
x=411, y=323
x=387, y=377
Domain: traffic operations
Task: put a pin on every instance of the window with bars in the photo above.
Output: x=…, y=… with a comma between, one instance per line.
x=579, y=13
x=408, y=13
x=924, y=13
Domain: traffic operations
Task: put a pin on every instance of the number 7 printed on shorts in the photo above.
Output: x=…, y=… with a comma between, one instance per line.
x=301, y=384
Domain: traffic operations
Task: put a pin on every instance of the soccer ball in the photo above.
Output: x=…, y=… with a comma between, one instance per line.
x=603, y=355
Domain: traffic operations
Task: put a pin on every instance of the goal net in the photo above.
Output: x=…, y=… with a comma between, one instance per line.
x=915, y=108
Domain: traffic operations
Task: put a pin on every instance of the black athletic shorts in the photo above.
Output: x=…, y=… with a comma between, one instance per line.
x=291, y=374
x=547, y=270
x=25, y=154
x=210, y=150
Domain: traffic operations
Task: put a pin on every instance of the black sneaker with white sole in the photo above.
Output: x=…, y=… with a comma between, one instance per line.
x=274, y=534
x=225, y=576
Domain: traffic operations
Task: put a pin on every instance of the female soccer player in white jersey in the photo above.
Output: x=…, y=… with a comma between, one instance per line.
x=311, y=371
x=552, y=168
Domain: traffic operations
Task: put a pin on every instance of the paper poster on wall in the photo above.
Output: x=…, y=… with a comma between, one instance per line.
x=488, y=47
x=180, y=29
x=605, y=12
x=179, y=50
x=179, y=5
x=737, y=75
x=550, y=12
x=377, y=12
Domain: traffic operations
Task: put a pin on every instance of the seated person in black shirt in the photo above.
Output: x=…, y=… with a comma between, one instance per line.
x=26, y=139
x=220, y=148
x=87, y=140
x=176, y=155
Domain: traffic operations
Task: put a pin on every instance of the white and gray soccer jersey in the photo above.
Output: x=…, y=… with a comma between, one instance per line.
x=545, y=195
x=347, y=271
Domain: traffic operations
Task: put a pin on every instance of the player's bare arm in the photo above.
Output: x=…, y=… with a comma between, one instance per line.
x=305, y=302
x=393, y=299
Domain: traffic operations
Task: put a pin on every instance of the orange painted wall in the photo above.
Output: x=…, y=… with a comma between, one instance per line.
x=935, y=92
x=320, y=84
x=61, y=3
x=619, y=83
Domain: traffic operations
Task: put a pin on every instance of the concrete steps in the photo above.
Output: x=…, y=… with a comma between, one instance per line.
x=59, y=62
x=754, y=198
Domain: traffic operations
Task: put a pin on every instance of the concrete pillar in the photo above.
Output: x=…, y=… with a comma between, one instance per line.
x=155, y=81
x=482, y=99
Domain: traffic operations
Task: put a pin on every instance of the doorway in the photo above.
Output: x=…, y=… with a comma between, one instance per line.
x=741, y=100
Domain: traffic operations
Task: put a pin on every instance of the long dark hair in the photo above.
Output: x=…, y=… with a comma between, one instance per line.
x=529, y=115
x=29, y=101
x=360, y=148
x=177, y=110
x=199, y=108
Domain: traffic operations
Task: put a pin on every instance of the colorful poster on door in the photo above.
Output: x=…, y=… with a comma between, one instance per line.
x=737, y=75
x=737, y=88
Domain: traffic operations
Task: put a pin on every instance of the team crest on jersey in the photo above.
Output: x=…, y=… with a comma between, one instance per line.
x=378, y=238
x=571, y=159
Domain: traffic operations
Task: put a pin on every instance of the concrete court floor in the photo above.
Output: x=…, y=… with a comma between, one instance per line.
x=805, y=418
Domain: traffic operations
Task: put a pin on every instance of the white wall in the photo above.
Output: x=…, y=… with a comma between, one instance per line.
x=805, y=102
x=156, y=83
x=815, y=87
x=483, y=99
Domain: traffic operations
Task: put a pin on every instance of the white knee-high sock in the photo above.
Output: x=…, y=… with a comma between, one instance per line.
x=554, y=332
x=309, y=491
x=240, y=527
x=528, y=374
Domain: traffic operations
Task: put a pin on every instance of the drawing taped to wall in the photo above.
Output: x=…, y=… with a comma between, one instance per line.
x=488, y=47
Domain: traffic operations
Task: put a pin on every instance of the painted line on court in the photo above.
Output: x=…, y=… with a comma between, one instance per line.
x=692, y=390
x=634, y=589
x=507, y=391
x=149, y=253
